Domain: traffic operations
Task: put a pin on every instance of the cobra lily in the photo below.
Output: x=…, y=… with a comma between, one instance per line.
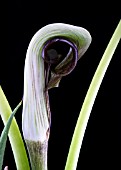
x=52, y=53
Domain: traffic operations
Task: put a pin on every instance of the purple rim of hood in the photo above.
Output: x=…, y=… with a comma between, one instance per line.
x=67, y=64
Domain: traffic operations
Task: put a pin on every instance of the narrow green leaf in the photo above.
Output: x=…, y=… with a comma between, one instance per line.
x=4, y=135
x=15, y=138
x=76, y=143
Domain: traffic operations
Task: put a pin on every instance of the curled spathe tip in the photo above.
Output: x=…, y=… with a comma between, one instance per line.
x=60, y=57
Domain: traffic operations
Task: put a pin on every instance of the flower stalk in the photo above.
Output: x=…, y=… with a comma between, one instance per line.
x=52, y=53
x=38, y=154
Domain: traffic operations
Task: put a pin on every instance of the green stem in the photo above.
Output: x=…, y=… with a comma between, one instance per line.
x=82, y=121
x=38, y=154
x=15, y=138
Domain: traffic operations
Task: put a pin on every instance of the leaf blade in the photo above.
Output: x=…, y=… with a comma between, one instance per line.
x=4, y=135
x=15, y=137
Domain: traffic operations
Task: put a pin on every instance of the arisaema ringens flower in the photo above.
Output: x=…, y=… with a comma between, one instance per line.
x=52, y=54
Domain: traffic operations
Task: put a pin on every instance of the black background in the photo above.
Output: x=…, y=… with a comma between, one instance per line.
x=101, y=144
